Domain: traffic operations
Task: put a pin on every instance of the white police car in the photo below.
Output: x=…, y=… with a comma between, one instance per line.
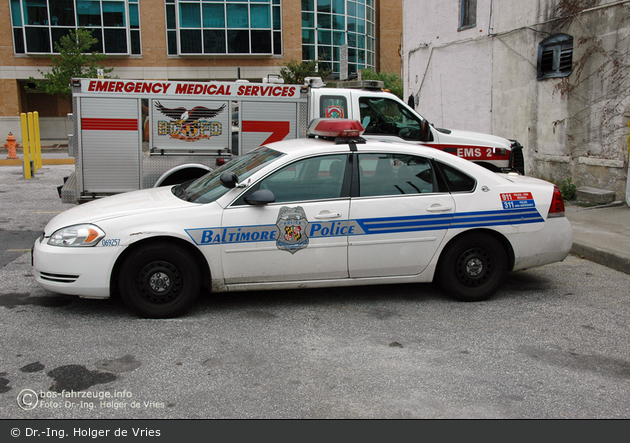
x=313, y=212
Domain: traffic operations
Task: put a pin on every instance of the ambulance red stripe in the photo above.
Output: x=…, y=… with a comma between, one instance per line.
x=109, y=124
x=279, y=130
x=471, y=152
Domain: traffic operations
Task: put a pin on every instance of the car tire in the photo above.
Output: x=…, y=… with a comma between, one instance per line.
x=159, y=281
x=473, y=267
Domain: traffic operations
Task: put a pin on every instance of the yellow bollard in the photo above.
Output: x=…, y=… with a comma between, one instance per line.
x=27, y=160
x=31, y=138
x=38, y=142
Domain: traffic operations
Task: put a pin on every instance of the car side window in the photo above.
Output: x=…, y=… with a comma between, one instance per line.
x=456, y=180
x=394, y=174
x=332, y=106
x=314, y=178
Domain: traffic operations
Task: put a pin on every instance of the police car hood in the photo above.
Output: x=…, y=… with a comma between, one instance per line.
x=129, y=203
x=456, y=136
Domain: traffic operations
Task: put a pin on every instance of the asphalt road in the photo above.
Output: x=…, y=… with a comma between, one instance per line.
x=553, y=343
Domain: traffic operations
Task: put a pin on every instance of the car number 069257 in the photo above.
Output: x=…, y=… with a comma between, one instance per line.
x=110, y=242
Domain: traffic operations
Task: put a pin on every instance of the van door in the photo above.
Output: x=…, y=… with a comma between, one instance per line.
x=384, y=118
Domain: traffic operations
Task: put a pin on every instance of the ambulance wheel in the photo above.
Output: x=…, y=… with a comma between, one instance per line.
x=159, y=281
x=473, y=267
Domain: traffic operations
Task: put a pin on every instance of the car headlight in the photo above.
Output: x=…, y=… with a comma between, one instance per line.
x=78, y=235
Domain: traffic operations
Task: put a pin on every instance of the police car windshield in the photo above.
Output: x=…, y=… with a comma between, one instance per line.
x=208, y=188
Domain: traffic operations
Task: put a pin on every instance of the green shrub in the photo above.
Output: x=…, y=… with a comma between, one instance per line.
x=568, y=189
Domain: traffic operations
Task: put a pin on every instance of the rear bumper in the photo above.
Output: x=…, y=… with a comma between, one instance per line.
x=550, y=245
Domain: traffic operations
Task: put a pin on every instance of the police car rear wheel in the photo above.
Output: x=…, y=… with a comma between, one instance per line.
x=473, y=267
x=159, y=281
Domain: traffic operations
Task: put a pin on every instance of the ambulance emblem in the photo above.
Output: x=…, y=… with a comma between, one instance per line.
x=334, y=112
x=292, y=224
x=189, y=124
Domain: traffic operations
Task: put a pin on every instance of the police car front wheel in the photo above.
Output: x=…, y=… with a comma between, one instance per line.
x=473, y=267
x=159, y=281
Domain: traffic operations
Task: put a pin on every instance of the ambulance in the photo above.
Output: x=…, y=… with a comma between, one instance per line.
x=133, y=134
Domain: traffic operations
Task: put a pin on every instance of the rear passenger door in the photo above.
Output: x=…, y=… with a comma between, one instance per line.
x=400, y=217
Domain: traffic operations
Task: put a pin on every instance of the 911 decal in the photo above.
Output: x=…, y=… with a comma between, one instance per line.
x=517, y=200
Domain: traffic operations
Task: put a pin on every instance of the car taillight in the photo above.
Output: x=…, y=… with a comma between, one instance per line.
x=557, y=204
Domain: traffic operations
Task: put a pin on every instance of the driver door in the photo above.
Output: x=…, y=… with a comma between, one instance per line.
x=303, y=235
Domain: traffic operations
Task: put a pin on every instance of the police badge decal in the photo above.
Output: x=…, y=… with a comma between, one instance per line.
x=292, y=225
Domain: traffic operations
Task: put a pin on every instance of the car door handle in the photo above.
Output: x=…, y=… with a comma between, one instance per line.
x=327, y=215
x=439, y=208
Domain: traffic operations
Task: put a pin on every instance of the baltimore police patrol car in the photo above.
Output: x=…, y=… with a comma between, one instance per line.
x=328, y=210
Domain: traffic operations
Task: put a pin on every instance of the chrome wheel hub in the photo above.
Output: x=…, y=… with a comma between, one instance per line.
x=159, y=282
x=474, y=267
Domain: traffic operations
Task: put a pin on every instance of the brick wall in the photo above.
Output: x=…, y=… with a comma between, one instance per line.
x=389, y=18
x=155, y=63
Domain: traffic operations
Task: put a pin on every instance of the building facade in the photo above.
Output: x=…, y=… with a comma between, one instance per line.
x=552, y=74
x=197, y=40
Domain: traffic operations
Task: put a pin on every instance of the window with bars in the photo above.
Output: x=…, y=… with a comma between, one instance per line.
x=555, y=56
x=217, y=27
x=39, y=24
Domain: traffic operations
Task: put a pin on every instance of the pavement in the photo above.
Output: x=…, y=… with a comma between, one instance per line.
x=600, y=233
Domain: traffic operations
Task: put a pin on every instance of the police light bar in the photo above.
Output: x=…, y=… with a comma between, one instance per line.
x=362, y=84
x=335, y=127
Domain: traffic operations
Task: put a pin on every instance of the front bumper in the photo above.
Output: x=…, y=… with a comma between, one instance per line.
x=84, y=272
x=517, y=159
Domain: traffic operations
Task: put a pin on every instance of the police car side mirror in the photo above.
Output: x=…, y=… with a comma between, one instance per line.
x=229, y=179
x=260, y=198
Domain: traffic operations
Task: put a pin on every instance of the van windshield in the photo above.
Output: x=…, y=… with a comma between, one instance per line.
x=208, y=188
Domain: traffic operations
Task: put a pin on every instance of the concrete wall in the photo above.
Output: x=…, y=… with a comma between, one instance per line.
x=51, y=128
x=491, y=70
x=449, y=72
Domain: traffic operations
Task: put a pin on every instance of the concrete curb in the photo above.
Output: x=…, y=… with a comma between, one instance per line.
x=602, y=257
x=45, y=161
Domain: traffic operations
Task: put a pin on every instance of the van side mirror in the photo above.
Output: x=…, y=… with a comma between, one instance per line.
x=425, y=131
x=229, y=179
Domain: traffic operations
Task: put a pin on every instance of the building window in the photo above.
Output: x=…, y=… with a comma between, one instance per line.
x=39, y=24
x=238, y=27
x=467, y=14
x=555, y=56
x=329, y=24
